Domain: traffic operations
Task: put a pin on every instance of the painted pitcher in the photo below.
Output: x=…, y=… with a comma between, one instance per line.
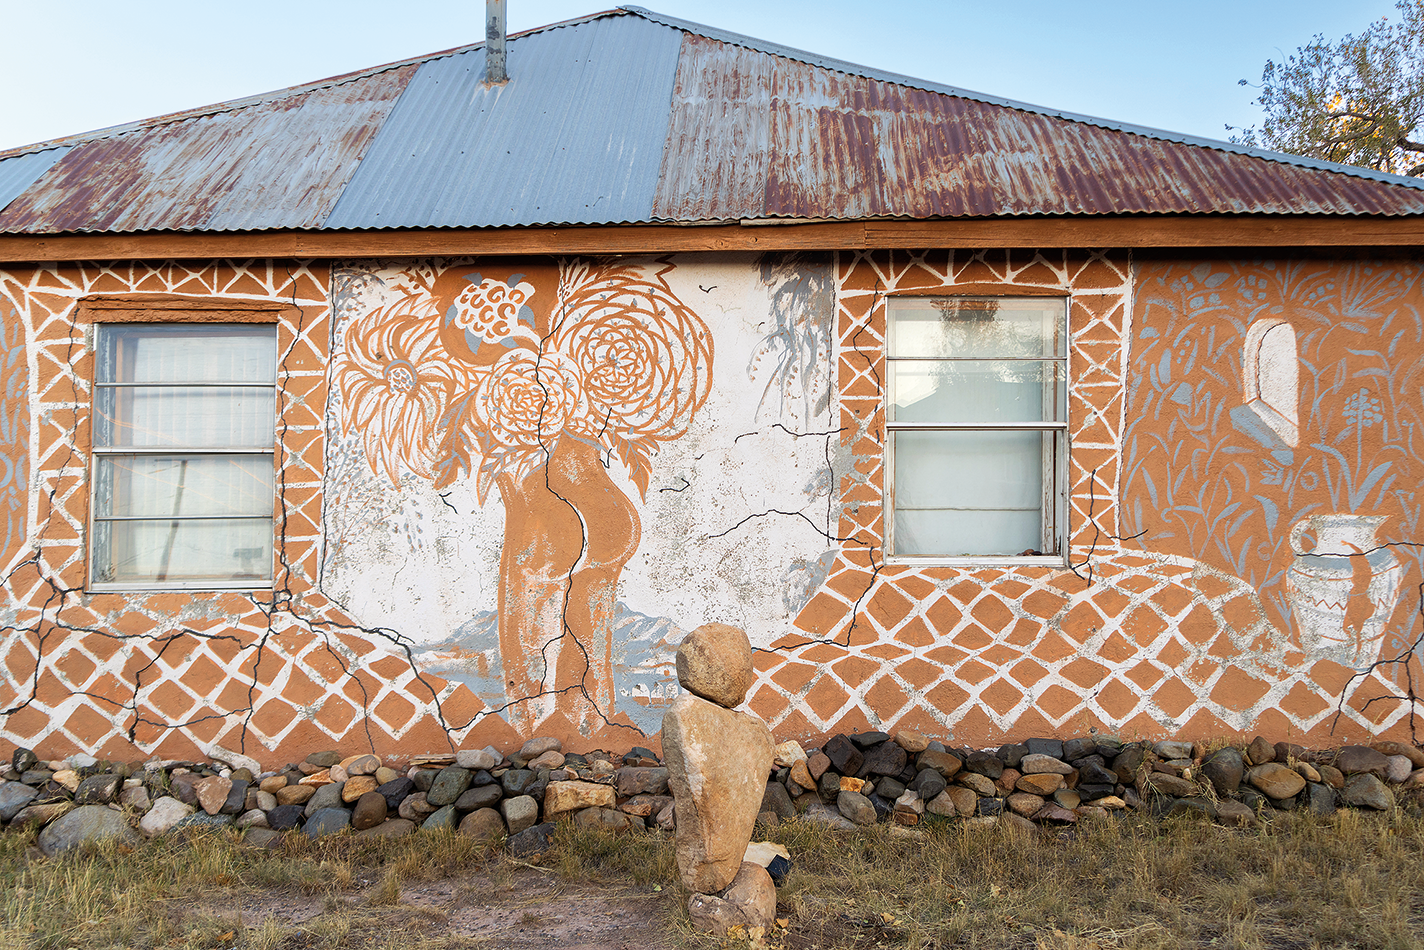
x=1344, y=589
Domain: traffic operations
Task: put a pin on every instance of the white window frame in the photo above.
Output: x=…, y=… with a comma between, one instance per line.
x=98, y=452
x=1055, y=487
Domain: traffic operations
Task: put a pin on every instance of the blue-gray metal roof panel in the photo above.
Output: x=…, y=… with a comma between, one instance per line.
x=574, y=137
x=18, y=173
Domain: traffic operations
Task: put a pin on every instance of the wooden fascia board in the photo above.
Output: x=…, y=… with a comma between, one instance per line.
x=1141, y=231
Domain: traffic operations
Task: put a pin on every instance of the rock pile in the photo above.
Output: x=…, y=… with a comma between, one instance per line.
x=846, y=781
x=477, y=792
x=718, y=760
x=868, y=777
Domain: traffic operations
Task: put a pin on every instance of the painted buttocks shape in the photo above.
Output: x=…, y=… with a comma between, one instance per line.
x=717, y=760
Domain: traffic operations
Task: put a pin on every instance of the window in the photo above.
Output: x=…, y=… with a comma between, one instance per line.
x=184, y=427
x=977, y=428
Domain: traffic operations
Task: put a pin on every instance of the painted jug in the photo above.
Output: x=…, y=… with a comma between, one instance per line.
x=1344, y=589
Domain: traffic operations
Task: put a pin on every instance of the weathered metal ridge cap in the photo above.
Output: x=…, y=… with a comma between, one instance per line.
x=868, y=72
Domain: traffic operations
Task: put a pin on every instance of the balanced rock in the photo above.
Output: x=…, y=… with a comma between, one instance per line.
x=717, y=763
x=750, y=902
x=715, y=662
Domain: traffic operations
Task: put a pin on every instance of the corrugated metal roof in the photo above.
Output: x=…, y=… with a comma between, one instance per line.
x=629, y=116
x=855, y=69
x=754, y=135
x=280, y=163
x=17, y=174
x=574, y=137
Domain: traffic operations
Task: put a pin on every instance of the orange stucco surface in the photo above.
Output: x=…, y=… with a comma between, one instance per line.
x=1174, y=618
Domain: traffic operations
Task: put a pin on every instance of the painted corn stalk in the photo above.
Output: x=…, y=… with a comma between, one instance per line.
x=534, y=383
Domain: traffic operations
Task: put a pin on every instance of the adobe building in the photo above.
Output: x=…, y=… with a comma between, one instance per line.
x=415, y=409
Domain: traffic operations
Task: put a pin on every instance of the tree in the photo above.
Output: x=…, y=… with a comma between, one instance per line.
x=1359, y=101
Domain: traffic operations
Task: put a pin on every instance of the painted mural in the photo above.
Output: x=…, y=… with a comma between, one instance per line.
x=547, y=436
x=506, y=488
x=1277, y=433
x=534, y=383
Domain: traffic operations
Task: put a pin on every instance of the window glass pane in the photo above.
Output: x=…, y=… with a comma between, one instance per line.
x=201, y=485
x=971, y=493
x=977, y=328
x=191, y=353
x=167, y=551
x=976, y=391
x=219, y=416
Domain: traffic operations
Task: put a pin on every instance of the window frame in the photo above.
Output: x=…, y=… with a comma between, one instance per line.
x=1055, y=493
x=170, y=311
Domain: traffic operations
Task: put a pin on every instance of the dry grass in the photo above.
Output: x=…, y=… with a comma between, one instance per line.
x=1296, y=882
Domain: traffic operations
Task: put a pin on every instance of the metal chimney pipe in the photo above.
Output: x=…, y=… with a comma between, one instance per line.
x=495, y=68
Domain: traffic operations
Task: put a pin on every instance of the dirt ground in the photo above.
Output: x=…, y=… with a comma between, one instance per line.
x=526, y=909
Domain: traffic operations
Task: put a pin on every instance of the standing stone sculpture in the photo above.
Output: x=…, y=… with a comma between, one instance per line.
x=718, y=760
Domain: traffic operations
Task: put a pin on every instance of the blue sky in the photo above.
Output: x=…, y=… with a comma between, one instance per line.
x=74, y=65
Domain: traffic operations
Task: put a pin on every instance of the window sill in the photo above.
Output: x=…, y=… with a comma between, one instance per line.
x=980, y=562
x=263, y=586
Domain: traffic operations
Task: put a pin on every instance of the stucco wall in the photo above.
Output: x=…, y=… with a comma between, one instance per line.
x=507, y=487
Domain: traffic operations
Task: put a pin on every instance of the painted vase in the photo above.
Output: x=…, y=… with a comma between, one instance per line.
x=1344, y=589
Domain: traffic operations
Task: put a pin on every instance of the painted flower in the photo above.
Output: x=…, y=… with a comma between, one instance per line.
x=526, y=401
x=395, y=383
x=494, y=310
x=645, y=358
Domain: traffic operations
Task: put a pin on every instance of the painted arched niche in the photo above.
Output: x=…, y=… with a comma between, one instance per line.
x=1271, y=371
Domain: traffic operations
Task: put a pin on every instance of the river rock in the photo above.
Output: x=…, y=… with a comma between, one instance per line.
x=97, y=790
x=749, y=902
x=642, y=781
x=1040, y=783
x=476, y=759
x=87, y=824
x=327, y=821
x=212, y=793
x=294, y=795
x=357, y=786
x=715, y=662
x=449, y=785
x=285, y=817
x=328, y=796
x=563, y=797
x=520, y=813
x=370, y=811
x=1412, y=752
x=537, y=746
x=1355, y=759
x=482, y=824
x=165, y=813
x=414, y=807
x=1397, y=770
x=717, y=762
x=945, y=763
x=1224, y=769
x=444, y=818
x=1364, y=790
x=1037, y=764
x=856, y=807
x=532, y=841
x=1275, y=780
x=13, y=797
x=477, y=797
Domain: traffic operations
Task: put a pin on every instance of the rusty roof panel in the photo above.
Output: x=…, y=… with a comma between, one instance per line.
x=18, y=173
x=574, y=137
x=754, y=134
x=280, y=163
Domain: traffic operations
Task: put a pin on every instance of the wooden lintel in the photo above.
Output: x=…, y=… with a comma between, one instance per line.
x=1144, y=231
